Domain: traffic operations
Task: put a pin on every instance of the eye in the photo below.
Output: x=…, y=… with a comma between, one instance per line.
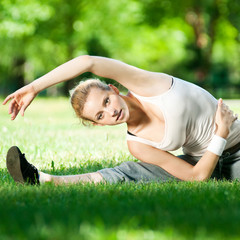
x=100, y=116
x=107, y=100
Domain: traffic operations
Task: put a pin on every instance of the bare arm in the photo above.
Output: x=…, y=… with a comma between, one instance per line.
x=178, y=167
x=142, y=82
x=23, y=97
x=129, y=76
x=64, y=72
x=174, y=165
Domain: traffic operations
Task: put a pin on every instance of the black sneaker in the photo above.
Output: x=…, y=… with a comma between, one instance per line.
x=20, y=169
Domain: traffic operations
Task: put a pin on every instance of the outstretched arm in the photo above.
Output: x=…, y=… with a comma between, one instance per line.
x=178, y=167
x=135, y=79
x=140, y=81
x=23, y=97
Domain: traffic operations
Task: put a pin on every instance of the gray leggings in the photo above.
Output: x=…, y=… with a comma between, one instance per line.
x=228, y=167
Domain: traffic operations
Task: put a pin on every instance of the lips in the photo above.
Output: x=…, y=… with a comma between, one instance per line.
x=119, y=114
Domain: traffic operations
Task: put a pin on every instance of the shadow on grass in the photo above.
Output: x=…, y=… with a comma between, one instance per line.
x=188, y=209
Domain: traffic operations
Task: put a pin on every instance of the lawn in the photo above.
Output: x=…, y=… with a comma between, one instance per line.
x=55, y=142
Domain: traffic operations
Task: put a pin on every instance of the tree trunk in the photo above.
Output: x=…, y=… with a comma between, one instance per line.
x=17, y=73
x=204, y=39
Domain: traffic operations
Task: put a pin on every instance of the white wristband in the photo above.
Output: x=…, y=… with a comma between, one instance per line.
x=217, y=145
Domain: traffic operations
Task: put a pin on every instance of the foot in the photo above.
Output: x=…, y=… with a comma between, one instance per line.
x=20, y=169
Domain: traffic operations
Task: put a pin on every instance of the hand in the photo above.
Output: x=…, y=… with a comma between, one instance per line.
x=21, y=99
x=224, y=119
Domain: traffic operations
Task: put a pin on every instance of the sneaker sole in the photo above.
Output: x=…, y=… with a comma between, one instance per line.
x=13, y=165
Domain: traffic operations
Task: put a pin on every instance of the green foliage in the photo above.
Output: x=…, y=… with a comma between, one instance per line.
x=194, y=40
x=20, y=18
x=54, y=141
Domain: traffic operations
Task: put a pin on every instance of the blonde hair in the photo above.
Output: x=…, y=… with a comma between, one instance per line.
x=80, y=93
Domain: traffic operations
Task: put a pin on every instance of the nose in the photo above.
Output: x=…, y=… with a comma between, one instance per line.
x=113, y=112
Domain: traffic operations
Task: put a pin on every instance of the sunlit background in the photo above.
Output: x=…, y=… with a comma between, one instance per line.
x=198, y=41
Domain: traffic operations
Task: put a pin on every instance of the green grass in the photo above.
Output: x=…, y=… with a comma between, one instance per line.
x=55, y=142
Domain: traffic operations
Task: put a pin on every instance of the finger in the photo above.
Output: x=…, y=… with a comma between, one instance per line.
x=19, y=108
x=7, y=99
x=11, y=106
x=229, y=111
x=18, y=99
x=226, y=106
x=15, y=112
x=220, y=101
x=23, y=109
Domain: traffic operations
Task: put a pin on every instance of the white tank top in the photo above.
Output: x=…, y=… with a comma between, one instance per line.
x=189, y=113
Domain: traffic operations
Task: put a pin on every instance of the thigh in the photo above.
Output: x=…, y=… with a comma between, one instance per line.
x=136, y=172
x=144, y=172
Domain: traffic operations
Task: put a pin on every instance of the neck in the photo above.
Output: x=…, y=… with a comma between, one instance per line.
x=137, y=114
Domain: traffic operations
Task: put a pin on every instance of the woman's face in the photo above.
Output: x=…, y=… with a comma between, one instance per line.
x=105, y=107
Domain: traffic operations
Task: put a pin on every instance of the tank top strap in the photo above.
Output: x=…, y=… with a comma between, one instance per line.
x=132, y=137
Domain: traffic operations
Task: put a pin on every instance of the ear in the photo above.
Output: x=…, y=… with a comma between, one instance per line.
x=115, y=89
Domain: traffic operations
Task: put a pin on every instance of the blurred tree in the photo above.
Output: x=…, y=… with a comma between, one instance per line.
x=62, y=28
x=205, y=18
x=18, y=22
x=188, y=39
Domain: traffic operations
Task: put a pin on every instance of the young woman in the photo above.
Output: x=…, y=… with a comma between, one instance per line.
x=162, y=113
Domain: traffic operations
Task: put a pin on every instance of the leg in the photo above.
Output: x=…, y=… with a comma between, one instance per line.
x=137, y=172
x=125, y=172
x=24, y=172
x=231, y=166
x=129, y=171
x=94, y=177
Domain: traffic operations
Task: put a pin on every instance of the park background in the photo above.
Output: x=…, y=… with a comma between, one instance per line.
x=194, y=40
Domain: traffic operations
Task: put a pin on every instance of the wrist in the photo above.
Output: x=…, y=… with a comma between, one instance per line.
x=35, y=87
x=222, y=132
x=217, y=145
